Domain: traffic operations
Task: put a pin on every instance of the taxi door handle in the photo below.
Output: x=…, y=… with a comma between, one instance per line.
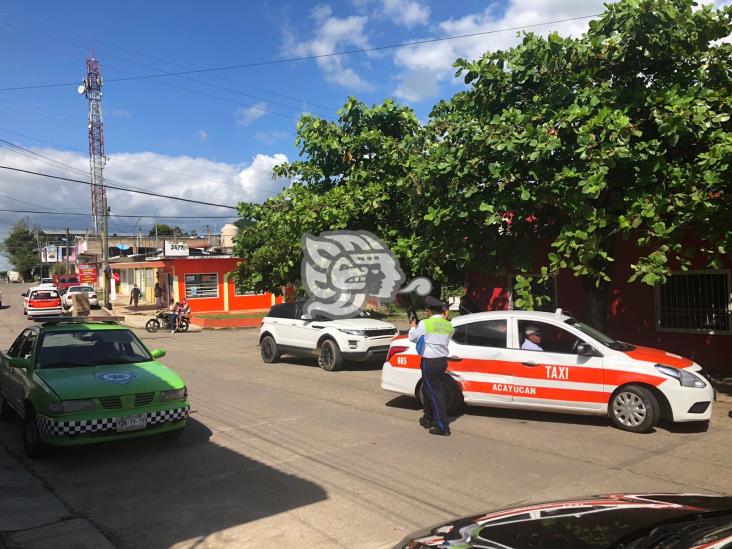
x=454, y=358
x=530, y=364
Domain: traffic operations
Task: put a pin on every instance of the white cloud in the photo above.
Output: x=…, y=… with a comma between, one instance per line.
x=332, y=34
x=270, y=137
x=406, y=12
x=202, y=135
x=425, y=65
x=244, y=117
x=181, y=176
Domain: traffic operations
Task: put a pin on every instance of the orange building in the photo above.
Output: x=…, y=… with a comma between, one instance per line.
x=207, y=282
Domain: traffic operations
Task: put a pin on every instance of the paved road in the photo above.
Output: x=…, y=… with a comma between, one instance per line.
x=287, y=455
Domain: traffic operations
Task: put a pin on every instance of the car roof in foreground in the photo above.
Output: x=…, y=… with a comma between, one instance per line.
x=494, y=315
x=76, y=326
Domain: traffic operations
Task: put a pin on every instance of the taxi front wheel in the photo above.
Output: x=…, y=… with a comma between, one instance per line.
x=32, y=444
x=634, y=408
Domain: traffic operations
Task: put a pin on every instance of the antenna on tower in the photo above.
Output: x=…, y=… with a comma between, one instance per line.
x=91, y=87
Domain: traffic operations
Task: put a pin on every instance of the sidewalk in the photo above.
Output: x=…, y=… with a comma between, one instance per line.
x=33, y=517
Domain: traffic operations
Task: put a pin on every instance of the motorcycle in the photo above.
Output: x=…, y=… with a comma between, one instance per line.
x=162, y=320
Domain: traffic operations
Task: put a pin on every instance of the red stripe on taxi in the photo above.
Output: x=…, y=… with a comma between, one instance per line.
x=526, y=391
x=557, y=372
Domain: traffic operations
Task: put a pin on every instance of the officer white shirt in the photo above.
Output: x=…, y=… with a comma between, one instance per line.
x=435, y=345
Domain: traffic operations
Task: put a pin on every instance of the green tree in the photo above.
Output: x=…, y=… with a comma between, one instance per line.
x=352, y=177
x=623, y=133
x=21, y=247
x=162, y=230
x=620, y=134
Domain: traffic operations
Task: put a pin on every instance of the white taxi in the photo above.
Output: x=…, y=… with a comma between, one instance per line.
x=553, y=362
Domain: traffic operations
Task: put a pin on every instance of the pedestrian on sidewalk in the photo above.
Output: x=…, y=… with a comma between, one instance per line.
x=435, y=333
x=158, y=296
x=135, y=295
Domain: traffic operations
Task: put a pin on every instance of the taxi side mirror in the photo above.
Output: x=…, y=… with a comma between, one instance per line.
x=20, y=363
x=157, y=353
x=585, y=349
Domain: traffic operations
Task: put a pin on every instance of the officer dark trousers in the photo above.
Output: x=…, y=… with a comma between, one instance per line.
x=434, y=391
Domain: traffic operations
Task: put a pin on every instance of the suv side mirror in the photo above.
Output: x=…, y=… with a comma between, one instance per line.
x=585, y=349
x=157, y=353
x=20, y=363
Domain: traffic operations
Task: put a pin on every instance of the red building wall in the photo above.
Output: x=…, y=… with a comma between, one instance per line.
x=220, y=266
x=631, y=315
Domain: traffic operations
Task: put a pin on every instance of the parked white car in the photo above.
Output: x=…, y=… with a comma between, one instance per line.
x=286, y=331
x=553, y=362
x=88, y=290
x=42, y=301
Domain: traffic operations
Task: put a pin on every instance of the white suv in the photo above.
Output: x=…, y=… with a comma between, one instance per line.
x=286, y=331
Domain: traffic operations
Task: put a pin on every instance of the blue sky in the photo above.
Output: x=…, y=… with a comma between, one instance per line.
x=170, y=135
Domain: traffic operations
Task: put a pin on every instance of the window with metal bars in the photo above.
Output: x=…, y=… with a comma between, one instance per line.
x=695, y=301
x=201, y=285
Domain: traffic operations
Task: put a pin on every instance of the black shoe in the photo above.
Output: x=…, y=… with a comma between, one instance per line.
x=424, y=422
x=441, y=432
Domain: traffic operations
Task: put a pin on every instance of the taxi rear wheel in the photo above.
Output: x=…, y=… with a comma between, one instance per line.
x=634, y=408
x=454, y=401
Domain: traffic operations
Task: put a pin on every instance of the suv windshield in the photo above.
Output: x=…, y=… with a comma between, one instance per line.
x=606, y=340
x=79, y=348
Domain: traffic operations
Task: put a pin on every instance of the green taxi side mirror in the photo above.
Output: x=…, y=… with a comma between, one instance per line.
x=157, y=353
x=20, y=363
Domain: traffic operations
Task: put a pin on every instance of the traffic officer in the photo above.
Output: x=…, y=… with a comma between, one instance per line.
x=434, y=333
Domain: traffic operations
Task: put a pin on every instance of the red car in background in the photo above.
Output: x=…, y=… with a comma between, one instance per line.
x=64, y=281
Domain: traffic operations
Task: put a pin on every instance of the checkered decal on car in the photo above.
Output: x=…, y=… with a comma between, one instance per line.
x=58, y=428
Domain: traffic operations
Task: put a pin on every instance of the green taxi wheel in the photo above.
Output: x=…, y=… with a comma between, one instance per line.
x=33, y=445
x=6, y=412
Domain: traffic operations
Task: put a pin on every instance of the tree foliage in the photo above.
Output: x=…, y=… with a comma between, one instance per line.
x=623, y=133
x=21, y=247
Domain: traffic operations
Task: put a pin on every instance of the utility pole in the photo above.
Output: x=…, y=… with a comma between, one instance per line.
x=68, y=269
x=91, y=88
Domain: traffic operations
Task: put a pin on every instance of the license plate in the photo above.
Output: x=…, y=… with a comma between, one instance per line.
x=131, y=423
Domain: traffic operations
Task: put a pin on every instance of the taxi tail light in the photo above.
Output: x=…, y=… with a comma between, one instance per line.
x=395, y=350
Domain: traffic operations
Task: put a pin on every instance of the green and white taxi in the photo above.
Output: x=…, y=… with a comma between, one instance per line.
x=81, y=382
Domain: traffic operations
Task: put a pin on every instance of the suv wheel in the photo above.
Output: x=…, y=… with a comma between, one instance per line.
x=329, y=356
x=268, y=350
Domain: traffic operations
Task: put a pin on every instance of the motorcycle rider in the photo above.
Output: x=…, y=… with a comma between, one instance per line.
x=173, y=317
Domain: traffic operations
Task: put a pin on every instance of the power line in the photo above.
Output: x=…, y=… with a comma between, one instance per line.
x=45, y=212
x=311, y=57
x=57, y=163
x=148, y=56
x=148, y=193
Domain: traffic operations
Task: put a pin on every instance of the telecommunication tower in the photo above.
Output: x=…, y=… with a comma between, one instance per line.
x=92, y=89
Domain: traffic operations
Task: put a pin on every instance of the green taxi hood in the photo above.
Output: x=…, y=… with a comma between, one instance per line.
x=102, y=381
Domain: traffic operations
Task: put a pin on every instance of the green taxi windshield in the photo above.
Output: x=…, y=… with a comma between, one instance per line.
x=82, y=348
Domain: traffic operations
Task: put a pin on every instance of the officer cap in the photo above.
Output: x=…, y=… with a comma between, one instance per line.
x=434, y=304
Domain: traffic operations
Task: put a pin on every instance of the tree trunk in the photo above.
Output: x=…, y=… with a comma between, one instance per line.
x=597, y=303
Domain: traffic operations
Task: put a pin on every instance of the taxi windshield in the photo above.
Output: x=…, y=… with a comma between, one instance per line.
x=605, y=339
x=79, y=348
